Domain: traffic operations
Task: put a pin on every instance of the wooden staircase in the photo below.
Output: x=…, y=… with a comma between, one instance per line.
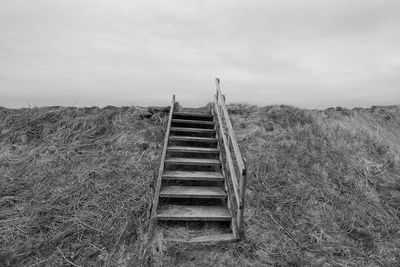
x=195, y=183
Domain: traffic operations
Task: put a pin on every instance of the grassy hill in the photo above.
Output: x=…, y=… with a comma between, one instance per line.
x=76, y=186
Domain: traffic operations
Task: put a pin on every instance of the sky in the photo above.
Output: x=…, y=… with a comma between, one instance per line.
x=306, y=53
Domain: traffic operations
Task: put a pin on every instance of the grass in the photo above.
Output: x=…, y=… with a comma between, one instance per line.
x=323, y=189
x=324, y=186
x=76, y=184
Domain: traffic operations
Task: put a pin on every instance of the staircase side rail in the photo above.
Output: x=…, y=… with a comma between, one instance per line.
x=220, y=102
x=228, y=188
x=228, y=156
x=161, y=169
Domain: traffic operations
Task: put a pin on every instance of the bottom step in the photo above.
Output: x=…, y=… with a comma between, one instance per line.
x=201, y=239
x=194, y=213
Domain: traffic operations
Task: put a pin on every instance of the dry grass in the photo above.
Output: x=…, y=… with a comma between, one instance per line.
x=76, y=185
x=324, y=185
x=324, y=188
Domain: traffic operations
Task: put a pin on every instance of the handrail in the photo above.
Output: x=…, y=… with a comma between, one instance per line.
x=239, y=189
x=229, y=159
x=161, y=169
x=238, y=155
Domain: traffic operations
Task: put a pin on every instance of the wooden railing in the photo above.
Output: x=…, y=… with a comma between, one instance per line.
x=160, y=171
x=236, y=179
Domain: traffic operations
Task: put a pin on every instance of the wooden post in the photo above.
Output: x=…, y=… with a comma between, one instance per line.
x=243, y=182
x=217, y=82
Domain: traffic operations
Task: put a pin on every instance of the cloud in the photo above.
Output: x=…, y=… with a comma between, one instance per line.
x=309, y=53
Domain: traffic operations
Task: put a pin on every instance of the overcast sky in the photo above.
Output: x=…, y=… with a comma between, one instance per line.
x=308, y=53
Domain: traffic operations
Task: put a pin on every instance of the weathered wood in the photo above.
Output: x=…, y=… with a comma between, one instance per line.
x=192, y=161
x=231, y=132
x=220, y=101
x=192, y=192
x=193, y=149
x=190, y=114
x=243, y=182
x=194, y=213
x=191, y=175
x=161, y=170
x=192, y=130
x=228, y=157
x=196, y=127
x=192, y=122
x=227, y=188
x=204, y=239
x=193, y=139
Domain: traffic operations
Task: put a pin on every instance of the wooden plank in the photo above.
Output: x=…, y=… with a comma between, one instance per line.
x=231, y=132
x=232, y=137
x=192, y=149
x=213, y=238
x=227, y=189
x=238, y=156
x=194, y=213
x=160, y=171
x=192, y=192
x=192, y=122
x=205, y=239
x=193, y=139
x=191, y=175
x=189, y=114
x=192, y=130
x=228, y=157
x=192, y=161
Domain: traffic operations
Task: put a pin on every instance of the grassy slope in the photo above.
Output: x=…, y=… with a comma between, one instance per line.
x=75, y=184
x=324, y=187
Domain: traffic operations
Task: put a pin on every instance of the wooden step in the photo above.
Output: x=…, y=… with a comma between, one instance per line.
x=204, y=239
x=192, y=192
x=193, y=176
x=190, y=114
x=190, y=149
x=193, y=139
x=191, y=130
x=192, y=122
x=194, y=213
x=193, y=161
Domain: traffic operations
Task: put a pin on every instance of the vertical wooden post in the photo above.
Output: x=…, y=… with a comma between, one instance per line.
x=217, y=82
x=243, y=182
